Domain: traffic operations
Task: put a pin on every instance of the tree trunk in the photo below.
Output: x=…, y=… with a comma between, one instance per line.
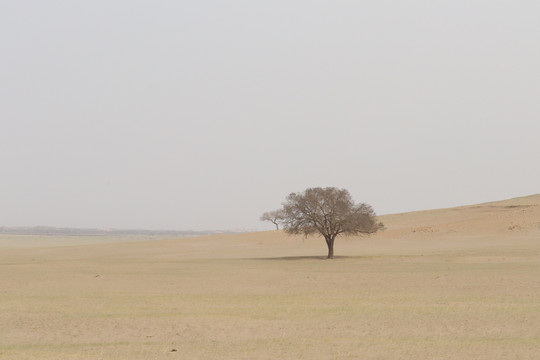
x=330, y=243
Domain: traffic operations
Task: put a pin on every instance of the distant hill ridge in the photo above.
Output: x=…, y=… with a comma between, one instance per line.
x=58, y=231
x=517, y=201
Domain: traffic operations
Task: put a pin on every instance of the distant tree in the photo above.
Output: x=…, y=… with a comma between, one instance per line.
x=329, y=212
x=275, y=217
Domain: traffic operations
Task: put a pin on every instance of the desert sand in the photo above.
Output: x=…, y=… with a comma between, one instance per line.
x=458, y=283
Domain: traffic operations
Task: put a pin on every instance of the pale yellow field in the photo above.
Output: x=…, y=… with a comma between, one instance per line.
x=459, y=283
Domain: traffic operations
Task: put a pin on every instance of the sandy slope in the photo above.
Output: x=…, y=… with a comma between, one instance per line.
x=441, y=284
x=519, y=214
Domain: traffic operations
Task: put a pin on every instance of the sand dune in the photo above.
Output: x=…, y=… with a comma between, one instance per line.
x=458, y=283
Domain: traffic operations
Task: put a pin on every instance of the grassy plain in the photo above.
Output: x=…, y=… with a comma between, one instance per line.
x=459, y=283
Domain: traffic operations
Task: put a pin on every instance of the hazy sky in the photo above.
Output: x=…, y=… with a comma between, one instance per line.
x=203, y=114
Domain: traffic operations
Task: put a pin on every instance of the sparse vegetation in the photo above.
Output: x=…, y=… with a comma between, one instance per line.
x=274, y=217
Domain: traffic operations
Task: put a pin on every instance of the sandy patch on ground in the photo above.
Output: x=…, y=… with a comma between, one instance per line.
x=457, y=283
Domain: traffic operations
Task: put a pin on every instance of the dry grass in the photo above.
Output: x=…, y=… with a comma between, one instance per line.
x=447, y=284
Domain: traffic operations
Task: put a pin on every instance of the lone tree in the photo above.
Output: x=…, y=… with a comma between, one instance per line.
x=273, y=216
x=329, y=212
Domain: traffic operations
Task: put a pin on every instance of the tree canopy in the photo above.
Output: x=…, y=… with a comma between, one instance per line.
x=329, y=212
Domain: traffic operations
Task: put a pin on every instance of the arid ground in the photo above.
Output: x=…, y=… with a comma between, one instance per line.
x=460, y=283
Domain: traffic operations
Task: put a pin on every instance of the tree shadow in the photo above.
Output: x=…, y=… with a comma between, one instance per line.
x=300, y=258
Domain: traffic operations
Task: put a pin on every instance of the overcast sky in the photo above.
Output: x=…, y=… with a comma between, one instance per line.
x=203, y=114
